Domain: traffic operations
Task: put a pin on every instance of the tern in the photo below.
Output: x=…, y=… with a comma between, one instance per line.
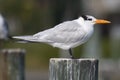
x=66, y=35
x=4, y=32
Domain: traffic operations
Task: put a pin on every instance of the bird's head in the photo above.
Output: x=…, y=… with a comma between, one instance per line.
x=87, y=19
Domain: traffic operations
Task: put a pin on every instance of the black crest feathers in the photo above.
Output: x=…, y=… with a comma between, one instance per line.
x=84, y=17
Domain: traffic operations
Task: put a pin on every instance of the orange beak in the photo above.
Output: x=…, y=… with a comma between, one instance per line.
x=100, y=21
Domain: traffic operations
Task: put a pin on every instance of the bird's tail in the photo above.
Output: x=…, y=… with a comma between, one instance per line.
x=30, y=38
x=23, y=39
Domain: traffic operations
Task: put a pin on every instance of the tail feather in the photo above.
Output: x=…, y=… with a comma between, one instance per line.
x=23, y=39
x=30, y=38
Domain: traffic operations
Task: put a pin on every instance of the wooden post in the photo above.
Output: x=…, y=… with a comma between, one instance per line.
x=73, y=69
x=13, y=64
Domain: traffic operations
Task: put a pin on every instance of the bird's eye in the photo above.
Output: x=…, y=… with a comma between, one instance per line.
x=90, y=19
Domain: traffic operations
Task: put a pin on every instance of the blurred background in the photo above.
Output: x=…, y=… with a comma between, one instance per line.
x=26, y=17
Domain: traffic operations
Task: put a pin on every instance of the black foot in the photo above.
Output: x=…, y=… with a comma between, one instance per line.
x=71, y=53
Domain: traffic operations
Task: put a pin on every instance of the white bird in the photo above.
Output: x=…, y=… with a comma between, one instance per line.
x=4, y=33
x=68, y=34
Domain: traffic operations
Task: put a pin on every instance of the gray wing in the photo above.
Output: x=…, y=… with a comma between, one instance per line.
x=66, y=32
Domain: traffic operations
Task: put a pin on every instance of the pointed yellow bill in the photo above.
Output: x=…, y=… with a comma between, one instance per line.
x=100, y=21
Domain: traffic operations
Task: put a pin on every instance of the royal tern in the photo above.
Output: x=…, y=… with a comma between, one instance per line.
x=68, y=34
x=4, y=33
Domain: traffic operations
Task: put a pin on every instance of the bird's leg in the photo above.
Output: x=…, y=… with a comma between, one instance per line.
x=71, y=53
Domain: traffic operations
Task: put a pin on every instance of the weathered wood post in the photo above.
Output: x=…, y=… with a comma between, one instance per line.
x=73, y=69
x=13, y=64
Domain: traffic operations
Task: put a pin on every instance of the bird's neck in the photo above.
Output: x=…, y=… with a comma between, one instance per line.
x=80, y=21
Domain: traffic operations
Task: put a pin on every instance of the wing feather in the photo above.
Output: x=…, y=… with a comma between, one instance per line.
x=66, y=32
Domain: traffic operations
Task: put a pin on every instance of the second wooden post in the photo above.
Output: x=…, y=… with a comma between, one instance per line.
x=73, y=69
